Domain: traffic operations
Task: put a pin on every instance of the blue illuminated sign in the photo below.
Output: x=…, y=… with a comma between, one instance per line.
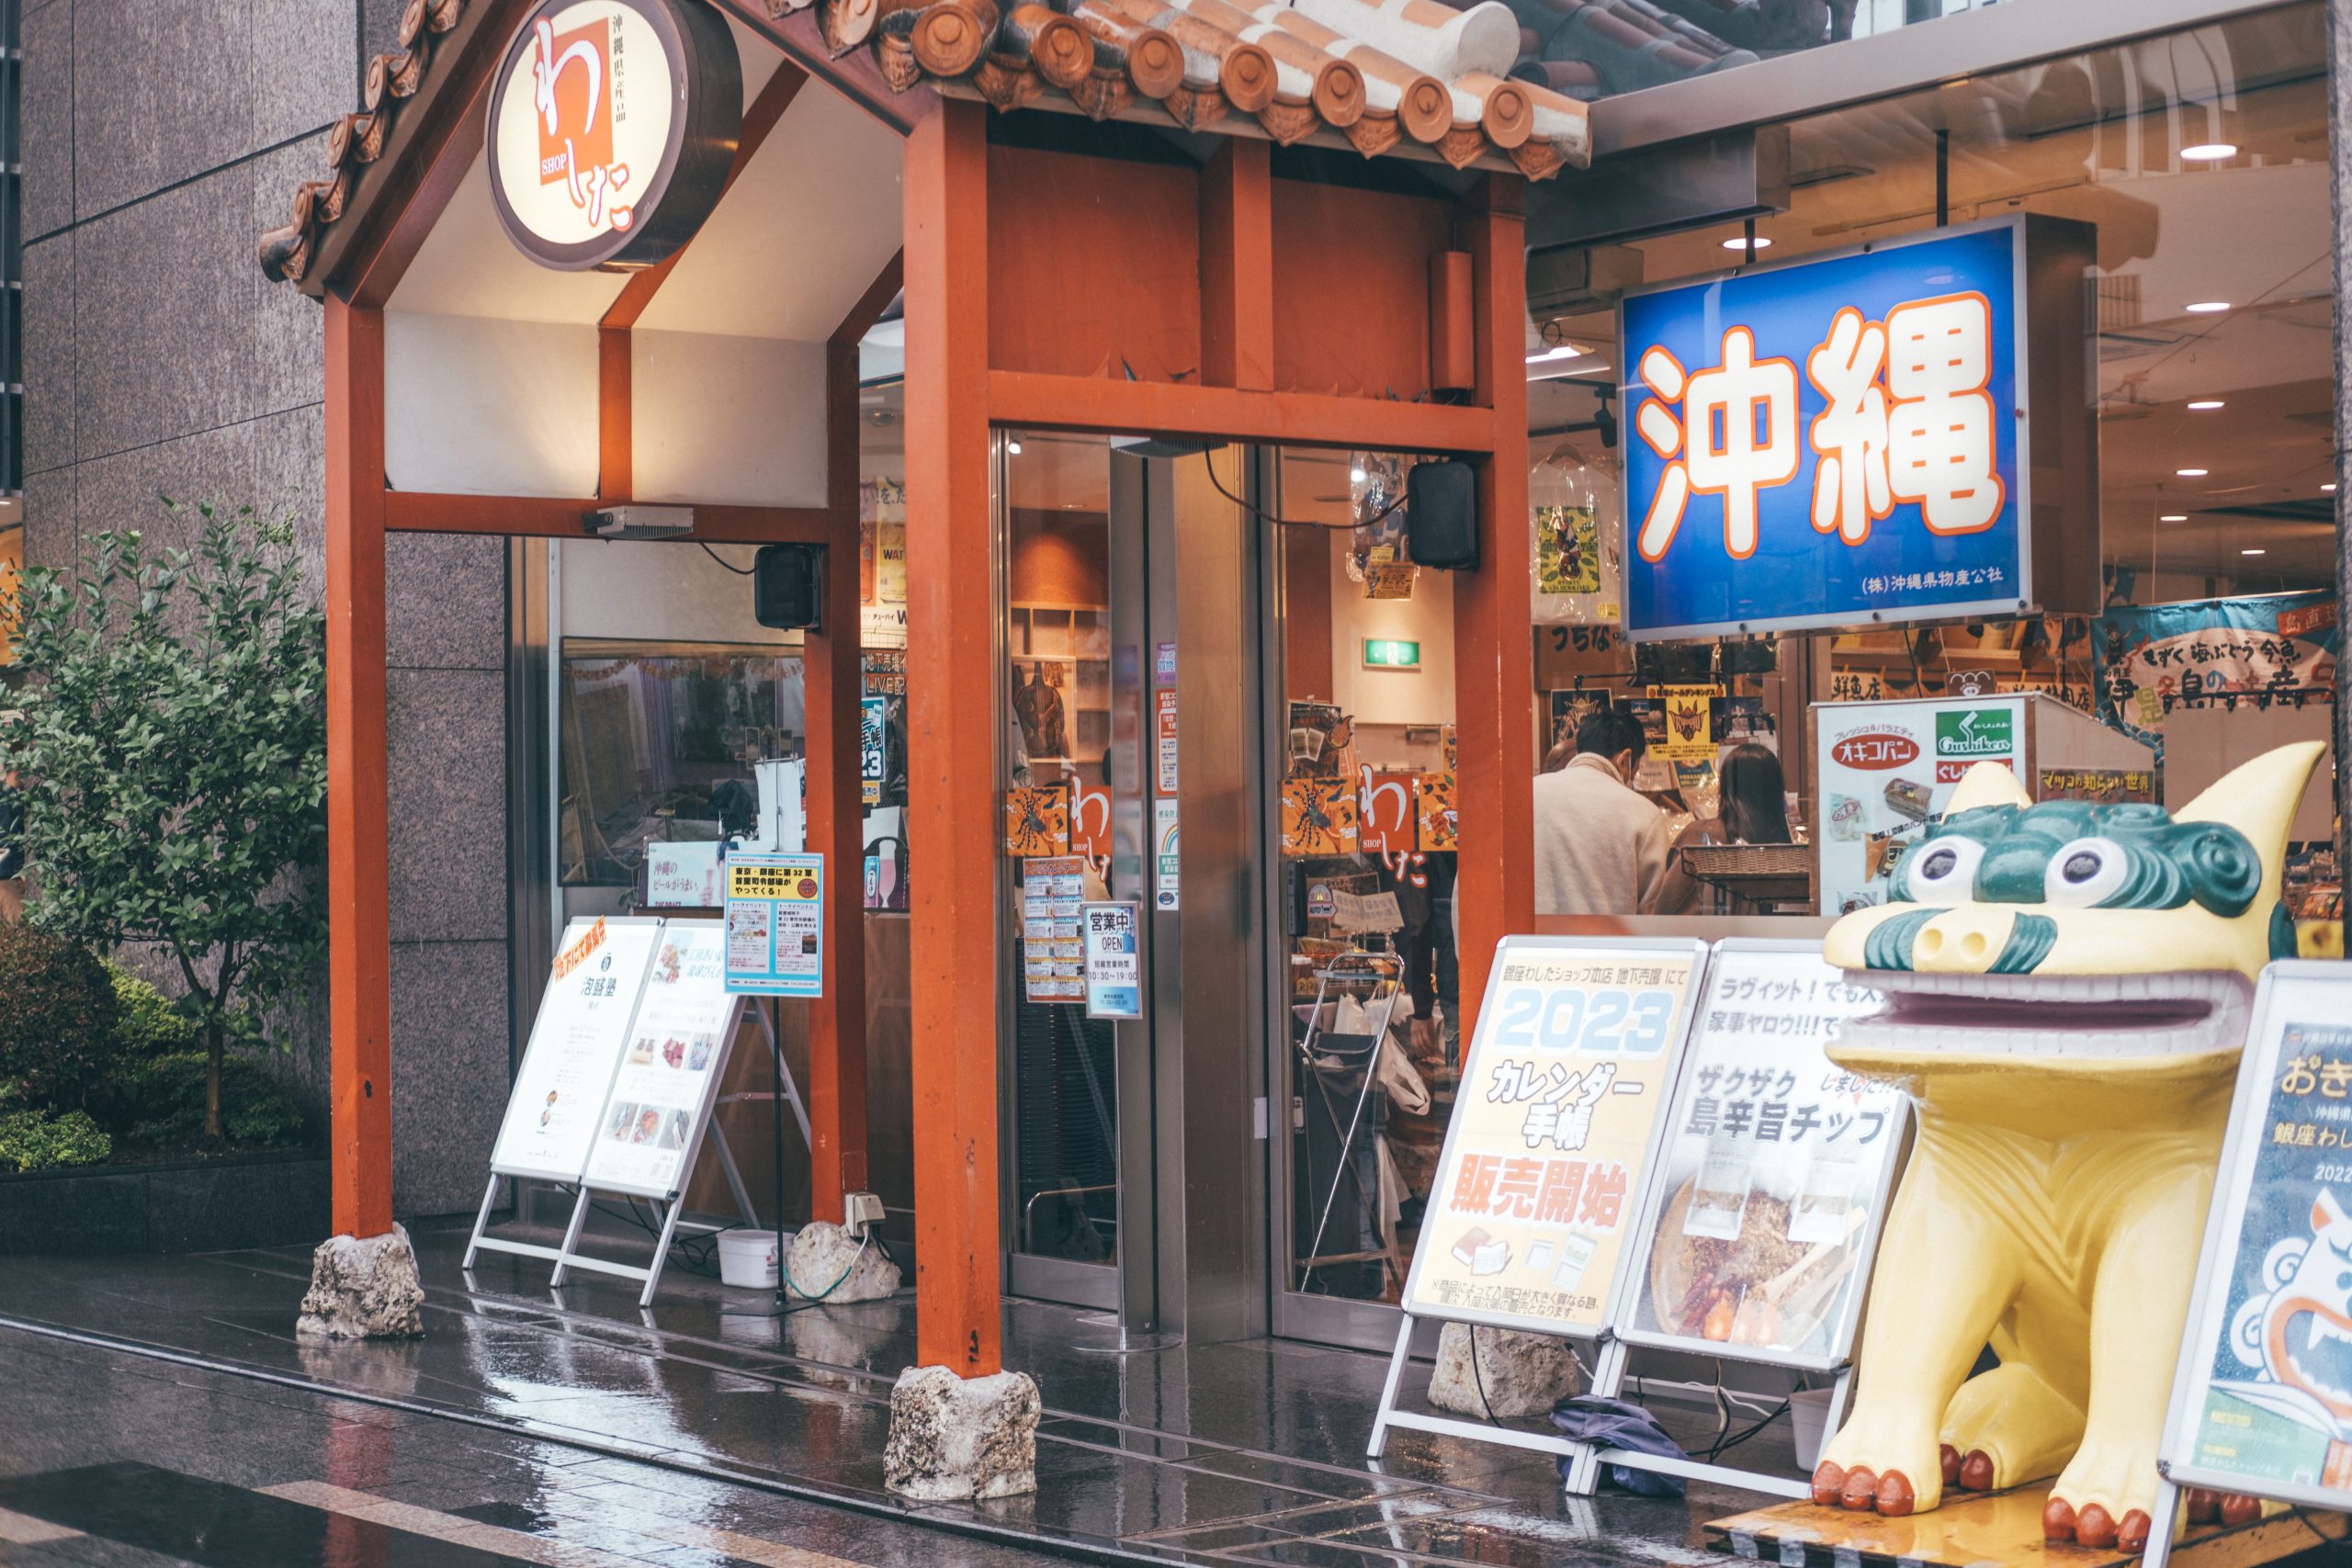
x=1832, y=443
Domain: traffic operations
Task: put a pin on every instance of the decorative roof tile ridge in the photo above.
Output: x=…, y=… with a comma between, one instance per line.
x=358, y=139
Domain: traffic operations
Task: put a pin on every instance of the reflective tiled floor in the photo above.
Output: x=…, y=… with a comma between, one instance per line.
x=1248, y=1452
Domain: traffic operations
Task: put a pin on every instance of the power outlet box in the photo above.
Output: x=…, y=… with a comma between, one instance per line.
x=861, y=1212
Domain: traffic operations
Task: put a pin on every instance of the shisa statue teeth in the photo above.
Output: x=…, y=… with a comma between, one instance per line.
x=2068, y=989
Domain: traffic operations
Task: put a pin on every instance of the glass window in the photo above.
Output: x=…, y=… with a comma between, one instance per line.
x=658, y=740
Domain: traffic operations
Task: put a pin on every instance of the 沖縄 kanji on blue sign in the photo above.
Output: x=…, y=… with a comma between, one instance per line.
x=1811, y=444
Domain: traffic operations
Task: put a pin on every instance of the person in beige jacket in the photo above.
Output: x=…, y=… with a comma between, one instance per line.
x=1600, y=848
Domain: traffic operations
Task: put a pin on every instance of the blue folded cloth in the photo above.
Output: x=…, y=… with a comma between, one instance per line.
x=1619, y=1424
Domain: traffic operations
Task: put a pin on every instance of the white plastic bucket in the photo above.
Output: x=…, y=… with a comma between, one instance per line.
x=1808, y=1414
x=747, y=1259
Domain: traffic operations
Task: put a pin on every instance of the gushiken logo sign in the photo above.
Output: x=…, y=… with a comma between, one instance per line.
x=611, y=126
x=1829, y=442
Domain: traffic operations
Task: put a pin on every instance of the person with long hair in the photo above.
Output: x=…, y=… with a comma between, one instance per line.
x=1751, y=807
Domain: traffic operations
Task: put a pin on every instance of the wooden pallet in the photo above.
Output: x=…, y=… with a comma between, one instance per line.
x=2004, y=1527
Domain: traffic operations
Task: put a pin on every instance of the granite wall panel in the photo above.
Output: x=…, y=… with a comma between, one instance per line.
x=450, y=1071
x=49, y=355
x=47, y=119
x=448, y=787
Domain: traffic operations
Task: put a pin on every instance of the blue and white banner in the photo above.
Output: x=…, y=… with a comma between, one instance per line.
x=2227, y=649
x=1831, y=443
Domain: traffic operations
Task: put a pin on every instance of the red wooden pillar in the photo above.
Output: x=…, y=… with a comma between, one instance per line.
x=837, y=819
x=951, y=723
x=1493, y=649
x=359, y=996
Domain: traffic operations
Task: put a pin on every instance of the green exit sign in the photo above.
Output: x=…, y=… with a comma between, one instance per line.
x=1389, y=653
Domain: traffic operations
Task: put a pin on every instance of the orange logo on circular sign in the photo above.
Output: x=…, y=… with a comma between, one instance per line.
x=807, y=887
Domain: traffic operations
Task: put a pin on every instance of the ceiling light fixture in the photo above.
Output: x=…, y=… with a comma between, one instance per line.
x=2209, y=152
x=2250, y=552
x=2174, y=517
x=1356, y=476
x=2207, y=307
x=1737, y=242
x=2190, y=473
x=2328, y=488
x=1013, y=448
x=1558, y=351
x=2205, y=405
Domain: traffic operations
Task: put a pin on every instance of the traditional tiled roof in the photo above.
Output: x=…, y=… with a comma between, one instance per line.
x=355, y=140
x=1383, y=74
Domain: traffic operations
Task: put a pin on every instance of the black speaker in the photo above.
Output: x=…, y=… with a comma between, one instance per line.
x=1442, y=515
x=789, y=587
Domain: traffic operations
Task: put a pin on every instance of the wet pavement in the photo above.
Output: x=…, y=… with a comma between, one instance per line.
x=1246, y=1453
x=111, y=1459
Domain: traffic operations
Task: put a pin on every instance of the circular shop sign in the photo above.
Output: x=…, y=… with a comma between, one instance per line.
x=612, y=125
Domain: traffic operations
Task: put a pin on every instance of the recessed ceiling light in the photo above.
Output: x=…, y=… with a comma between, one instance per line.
x=2207, y=307
x=1737, y=242
x=1559, y=351
x=2209, y=151
x=2250, y=552
x=2190, y=473
x=1356, y=476
x=2205, y=405
x=1012, y=447
x=2174, y=517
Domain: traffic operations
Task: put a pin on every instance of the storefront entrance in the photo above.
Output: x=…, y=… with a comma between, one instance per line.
x=1209, y=660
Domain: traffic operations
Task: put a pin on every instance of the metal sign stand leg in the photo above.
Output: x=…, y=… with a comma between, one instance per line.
x=1388, y=1390
x=482, y=1223
x=1608, y=1378
x=2161, y=1526
x=564, y=1257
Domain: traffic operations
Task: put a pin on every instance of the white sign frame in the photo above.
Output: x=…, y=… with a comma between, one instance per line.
x=1609, y=1362
x=2224, y=1228
x=1841, y=1352
x=540, y=1040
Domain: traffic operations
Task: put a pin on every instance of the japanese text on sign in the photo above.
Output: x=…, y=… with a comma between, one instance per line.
x=776, y=924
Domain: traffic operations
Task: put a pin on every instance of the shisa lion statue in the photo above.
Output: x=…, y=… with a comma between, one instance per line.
x=2067, y=991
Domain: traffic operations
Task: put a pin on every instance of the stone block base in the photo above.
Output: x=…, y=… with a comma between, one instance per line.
x=953, y=1438
x=364, y=1289
x=1523, y=1374
x=822, y=1254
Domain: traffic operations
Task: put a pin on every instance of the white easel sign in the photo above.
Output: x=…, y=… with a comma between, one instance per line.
x=2262, y=1397
x=1758, y=1238
x=576, y=1046
x=668, y=1077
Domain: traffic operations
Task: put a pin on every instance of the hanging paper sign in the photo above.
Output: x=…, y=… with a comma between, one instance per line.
x=776, y=924
x=1089, y=822
x=1555, y=1127
x=1690, y=725
x=2262, y=1401
x=1758, y=1233
x=1319, y=817
x=1438, y=826
x=1053, y=933
x=1114, y=962
x=613, y=124
x=1167, y=855
x=1386, y=824
x=1037, y=821
x=574, y=1049
x=669, y=1079
x=682, y=875
x=2152, y=657
x=1164, y=735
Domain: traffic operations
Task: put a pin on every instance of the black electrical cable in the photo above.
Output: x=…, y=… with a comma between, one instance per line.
x=1208, y=461
x=722, y=560
x=1479, y=1378
x=1726, y=1444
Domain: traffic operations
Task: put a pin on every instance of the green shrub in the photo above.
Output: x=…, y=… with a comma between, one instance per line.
x=161, y=1104
x=36, y=1140
x=58, y=1022
x=152, y=1026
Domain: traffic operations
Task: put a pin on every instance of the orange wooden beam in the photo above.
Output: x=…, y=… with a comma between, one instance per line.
x=615, y=415
x=833, y=688
x=558, y=518
x=1238, y=267
x=953, y=717
x=1033, y=401
x=1494, y=665
x=759, y=119
x=359, y=1000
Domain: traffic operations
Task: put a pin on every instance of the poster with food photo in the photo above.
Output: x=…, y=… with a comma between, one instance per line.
x=1776, y=1168
x=668, y=1077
